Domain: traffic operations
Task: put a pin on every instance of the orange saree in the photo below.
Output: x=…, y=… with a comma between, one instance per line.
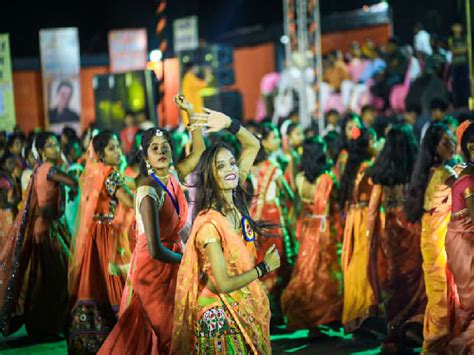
x=33, y=262
x=434, y=223
x=460, y=256
x=209, y=323
x=359, y=297
x=395, y=268
x=100, y=254
x=146, y=312
x=314, y=293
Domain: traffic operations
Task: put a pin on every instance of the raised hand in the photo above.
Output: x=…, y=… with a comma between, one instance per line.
x=213, y=121
x=183, y=104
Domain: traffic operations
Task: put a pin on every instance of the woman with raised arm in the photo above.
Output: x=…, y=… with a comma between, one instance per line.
x=460, y=255
x=395, y=268
x=429, y=202
x=220, y=306
x=34, y=256
x=146, y=312
x=313, y=296
x=100, y=252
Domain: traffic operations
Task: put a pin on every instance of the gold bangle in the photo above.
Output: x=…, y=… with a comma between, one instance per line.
x=468, y=193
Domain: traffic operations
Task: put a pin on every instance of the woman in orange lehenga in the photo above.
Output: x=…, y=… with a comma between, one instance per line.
x=100, y=252
x=314, y=294
x=267, y=179
x=429, y=200
x=146, y=312
x=460, y=255
x=34, y=257
x=221, y=307
x=356, y=188
x=395, y=266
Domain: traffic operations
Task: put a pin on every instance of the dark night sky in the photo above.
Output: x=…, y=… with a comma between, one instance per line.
x=95, y=17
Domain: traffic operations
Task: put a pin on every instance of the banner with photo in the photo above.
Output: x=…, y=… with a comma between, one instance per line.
x=128, y=50
x=60, y=69
x=7, y=102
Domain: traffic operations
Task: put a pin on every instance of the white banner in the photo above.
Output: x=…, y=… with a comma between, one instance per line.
x=128, y=50
x=7, y=102
x=185, y=34
x=60, y=68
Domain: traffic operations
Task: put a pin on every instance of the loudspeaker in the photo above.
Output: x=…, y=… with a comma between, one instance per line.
x=218, y=56
x=229, y=102
x=224, y=76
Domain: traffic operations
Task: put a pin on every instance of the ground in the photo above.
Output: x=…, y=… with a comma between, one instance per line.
x=334, y=343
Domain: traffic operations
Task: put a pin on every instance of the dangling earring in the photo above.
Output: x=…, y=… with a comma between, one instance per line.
x=149, y=169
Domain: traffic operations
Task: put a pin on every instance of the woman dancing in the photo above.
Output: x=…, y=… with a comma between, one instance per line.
x=220, y=306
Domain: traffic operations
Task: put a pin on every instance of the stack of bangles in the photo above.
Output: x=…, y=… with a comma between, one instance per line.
x=262, y=269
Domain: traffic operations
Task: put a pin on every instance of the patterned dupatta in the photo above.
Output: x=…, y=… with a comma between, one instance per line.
x=254, y=302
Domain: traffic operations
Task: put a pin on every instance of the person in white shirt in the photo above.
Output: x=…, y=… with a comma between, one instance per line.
x=422, y=40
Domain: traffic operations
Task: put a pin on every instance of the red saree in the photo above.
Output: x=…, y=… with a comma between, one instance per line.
x=33, y=262
x=460, y=256
x=146, y=312
x=209, y=323
x=314, y=293
x=100, y=254
x=395, y=267
x=265, y=207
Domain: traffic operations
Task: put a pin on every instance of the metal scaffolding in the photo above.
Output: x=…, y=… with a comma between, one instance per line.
x=303, y=31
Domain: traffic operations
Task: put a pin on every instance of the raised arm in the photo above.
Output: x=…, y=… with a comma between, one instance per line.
x=250, y=144
x=187, y=165
x=149, y=210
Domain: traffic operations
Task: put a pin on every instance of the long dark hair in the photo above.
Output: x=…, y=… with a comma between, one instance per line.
x=427, y=158
x=41, y=139
x=209, y=197
x=467, y=137
x=394, y=165
x=100, y=141
x=314, y=160
x=358, y=153
x=147, y=137
x=263, y=131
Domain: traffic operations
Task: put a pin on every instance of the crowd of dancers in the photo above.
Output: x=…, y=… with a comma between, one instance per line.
x=201, y=243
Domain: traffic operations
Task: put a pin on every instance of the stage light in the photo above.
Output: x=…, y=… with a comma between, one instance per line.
x=186, y=58
x=156, y=55
x=284, y=39
x=208, y=57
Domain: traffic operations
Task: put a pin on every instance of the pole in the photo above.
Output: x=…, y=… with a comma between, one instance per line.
x=469, y=52
x=318, y=65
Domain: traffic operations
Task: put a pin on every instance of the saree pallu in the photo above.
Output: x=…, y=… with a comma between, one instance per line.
x=209, y=323
x=433, y=233
x=460, y=254
x=33, y=263
x=359, y=297
x=97, y=269
x=314, y=293
x=146, y=311
x=402, y=288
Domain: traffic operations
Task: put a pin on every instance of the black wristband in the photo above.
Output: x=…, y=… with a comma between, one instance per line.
x=234, y=126
x=263, y=268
